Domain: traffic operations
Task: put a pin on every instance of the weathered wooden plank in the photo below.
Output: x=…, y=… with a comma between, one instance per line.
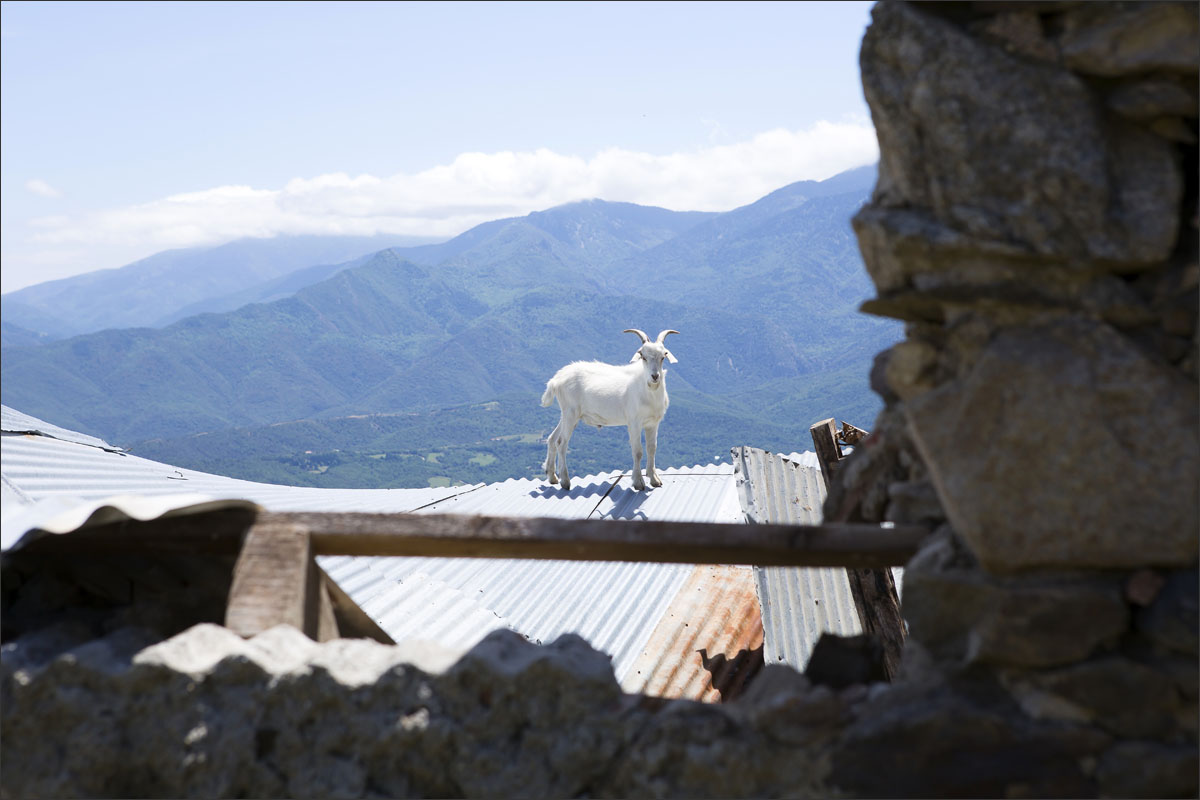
x=452, y=535
x=850, y=434
x=825, y=443
x=873, y=588
x=878, y=606
x=352, y=621
x=274, y=582
x=327, y=627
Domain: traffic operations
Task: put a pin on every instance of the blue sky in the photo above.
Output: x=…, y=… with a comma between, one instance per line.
x=131, y=128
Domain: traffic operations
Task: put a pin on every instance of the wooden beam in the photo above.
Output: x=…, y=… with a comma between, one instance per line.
x=878, y=606
x=850, y=434
x=352, y=621
x=825, y=443
x=275, y=582
x=327, y=627
x=457, y=536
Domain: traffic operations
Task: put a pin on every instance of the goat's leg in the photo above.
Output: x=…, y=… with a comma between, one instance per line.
x=564, y=438
x=635, y=444
x=651, y=446
x=552, y=451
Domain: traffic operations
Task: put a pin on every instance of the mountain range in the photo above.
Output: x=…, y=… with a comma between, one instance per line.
x=765, y=297
x=174, y=284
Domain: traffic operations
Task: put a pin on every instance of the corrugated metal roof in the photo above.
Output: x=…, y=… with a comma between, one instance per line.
x=708, y=643
x=615, y=606
x=798, y=603
x=37, y=467
x=14, y=421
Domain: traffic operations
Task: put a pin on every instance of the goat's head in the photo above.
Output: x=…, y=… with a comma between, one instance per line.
x=652, y=355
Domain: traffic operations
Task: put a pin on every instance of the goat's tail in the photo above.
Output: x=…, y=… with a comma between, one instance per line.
x=548, y=395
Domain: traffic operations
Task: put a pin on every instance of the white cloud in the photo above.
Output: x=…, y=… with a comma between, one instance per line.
x=41, y=188
x=447, y=199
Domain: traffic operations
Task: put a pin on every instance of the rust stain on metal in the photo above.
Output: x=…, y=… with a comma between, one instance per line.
x=709, y=643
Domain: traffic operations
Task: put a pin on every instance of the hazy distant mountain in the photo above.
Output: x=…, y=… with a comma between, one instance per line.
x=791, y=257
x=593, y=231
x=151, y=291
x=571, y=245
x=265, y=292
x=765, y=296
x=15, y=336
x=295, y=357
x=790, y=248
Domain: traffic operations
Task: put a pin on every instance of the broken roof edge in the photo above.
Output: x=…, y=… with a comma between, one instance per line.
x=17, y=423
x=56, y=516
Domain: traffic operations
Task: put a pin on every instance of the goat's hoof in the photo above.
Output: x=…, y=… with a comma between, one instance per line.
x=566, y=485
x=655, y=481
x=552, y=478
x=639, y=486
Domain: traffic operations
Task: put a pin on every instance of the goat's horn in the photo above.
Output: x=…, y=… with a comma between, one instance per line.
x=663, y=335
x=641, y=334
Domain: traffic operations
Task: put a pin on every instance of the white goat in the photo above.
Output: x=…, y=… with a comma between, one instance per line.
x=633, y=395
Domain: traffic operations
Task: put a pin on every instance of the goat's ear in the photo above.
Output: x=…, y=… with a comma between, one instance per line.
x=636, y=356
x=672, y=358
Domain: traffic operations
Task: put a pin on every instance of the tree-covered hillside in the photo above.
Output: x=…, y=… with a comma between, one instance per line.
x=155, y=290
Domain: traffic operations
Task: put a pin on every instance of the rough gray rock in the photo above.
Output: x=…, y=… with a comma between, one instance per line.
x=1148, y=769
x=1012, y=154
x=913, y=501
x=1019, y=32
x=1126, y=38
x=1124, y=697
x=1173, y=619
x=1042, y=455
x=788, y=709
x=701, y=750
x=1150, y=98
x=936, y=742
x=966, y=615
x=207, y=714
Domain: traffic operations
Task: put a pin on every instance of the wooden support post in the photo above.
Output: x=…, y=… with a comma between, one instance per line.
x=277, y=581
x=825, y=443
x=878, y=606
x=873, y=589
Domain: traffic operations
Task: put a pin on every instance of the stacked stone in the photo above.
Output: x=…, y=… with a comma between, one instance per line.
x=208, y=714
x=1035, y=226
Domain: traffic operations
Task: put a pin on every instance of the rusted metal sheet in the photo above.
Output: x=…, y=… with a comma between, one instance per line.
x=708, y=644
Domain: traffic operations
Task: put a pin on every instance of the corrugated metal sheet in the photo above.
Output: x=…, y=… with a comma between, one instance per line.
x=615, y=606
x=456, y=602
x=38, y=467
x=798, y=604
x=708, y=643
x=14, y=421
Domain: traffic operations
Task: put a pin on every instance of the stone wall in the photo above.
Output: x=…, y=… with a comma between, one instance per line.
x=1035, y=225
